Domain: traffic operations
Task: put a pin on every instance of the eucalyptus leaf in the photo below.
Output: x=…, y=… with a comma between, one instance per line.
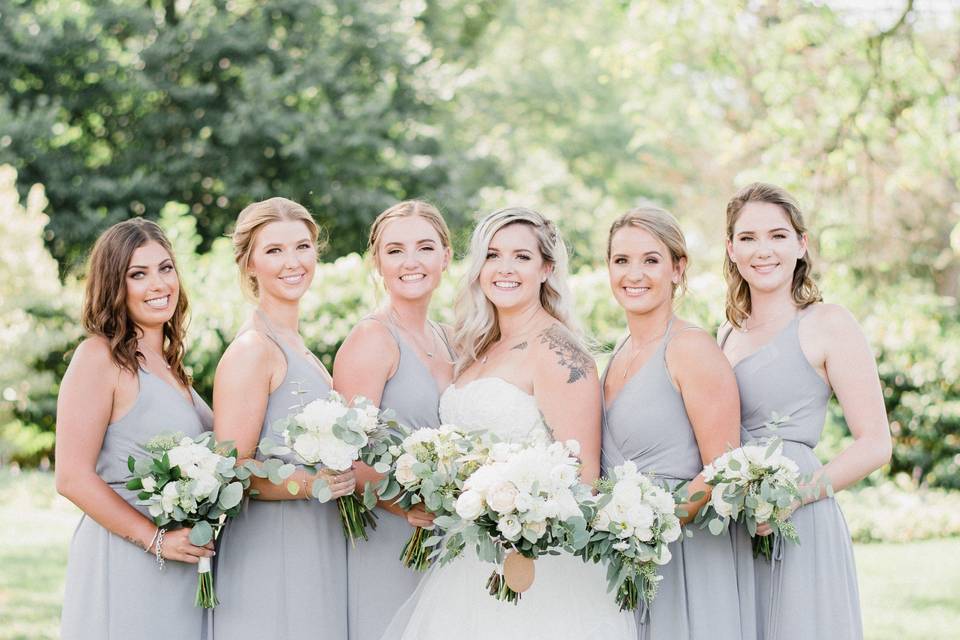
x=201, y=533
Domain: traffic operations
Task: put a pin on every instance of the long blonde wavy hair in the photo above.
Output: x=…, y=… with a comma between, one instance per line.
x=476, y=326
x=803, y=289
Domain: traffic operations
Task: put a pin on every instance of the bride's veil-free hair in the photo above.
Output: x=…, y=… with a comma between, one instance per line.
x=475, y=327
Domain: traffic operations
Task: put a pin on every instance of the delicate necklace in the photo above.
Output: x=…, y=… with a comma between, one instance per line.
x=155, y=354
x=635, y=347
x=745, y=329
x=433, y=338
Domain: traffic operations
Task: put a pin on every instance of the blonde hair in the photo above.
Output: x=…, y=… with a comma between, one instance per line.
x=803, y=289
x=406, y=209
x=661, y=225
x=476, y=327
x=254, y=217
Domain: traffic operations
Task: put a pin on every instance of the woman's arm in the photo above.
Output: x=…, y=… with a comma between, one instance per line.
x=830, y=335
x=366, y=360
x=567, y=391
x=243, y=382
x=709, y=390
x=84, y=410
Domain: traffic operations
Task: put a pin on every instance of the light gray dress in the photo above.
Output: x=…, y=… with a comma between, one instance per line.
x=698, y=597
x=113, y=589
x=378, y=582
x=811, y=590
x=282, y=564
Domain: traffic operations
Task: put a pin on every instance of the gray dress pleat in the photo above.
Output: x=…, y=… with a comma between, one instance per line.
x=282, y=564
x=378, y=583
x=114, y=590
x=811, y=591
x=698, y=597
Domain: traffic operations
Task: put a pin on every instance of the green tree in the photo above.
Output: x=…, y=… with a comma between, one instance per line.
x=118, y=107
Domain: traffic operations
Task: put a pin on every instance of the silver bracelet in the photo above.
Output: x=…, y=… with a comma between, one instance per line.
x=160, y=533
x=156, y=533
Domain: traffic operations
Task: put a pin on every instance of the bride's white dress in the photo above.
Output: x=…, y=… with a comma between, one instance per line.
x=568, y=598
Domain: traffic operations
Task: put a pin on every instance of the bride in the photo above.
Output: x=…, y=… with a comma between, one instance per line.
x=521, y=373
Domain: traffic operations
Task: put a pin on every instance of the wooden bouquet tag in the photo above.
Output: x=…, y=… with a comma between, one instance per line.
x=518, y=571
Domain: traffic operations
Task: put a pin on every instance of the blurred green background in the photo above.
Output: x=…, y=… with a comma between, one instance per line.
x=187, y=110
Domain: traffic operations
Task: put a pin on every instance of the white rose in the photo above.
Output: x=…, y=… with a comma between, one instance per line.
x=169, y=497
x=321, y=415
x=640, y=516
x=204, y=486
x=721, y=506
x=307, y=446
x=469, y=505
x=672, y=530
x=537, y=528
x=155, y=509
x=510, y=527
x=763, y=512
x=601, y=522
x=337, y=454
x=502, y=497
x=404, y=473
x=524, y=501
x=563, y=475
x=662, y=501
x=149, y=483
x=664, y=556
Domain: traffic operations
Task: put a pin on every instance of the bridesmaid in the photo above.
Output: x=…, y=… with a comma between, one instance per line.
x=790, y=353
x=126, y=384
x=671, y=406
x=399, y=359
x=282, y=564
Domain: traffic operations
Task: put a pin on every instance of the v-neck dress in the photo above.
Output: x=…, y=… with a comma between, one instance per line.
x=282, y=564
x=698, y=597
x=378, y=581
x=810, y=589
x=113, y=589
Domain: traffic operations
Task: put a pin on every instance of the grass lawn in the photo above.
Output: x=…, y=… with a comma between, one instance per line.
x=908, y=591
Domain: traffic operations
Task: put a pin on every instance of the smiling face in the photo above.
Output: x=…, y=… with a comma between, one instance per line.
x=514, y=269
x=765, y=247
x=283, y=260
x=642, y=272
x=411, y=257
x=153, y=287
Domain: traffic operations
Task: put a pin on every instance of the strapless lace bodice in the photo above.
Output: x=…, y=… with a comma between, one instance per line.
x=495, y=405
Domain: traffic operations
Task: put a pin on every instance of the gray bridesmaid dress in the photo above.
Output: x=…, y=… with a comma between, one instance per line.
x=282, y=564
x=378, y=582
x=113, y=589
x=698, y=597
x=810, y=590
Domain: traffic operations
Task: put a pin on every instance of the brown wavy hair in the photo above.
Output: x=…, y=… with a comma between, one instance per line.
x=803, y=289
x=254, y=217
x=105, y=311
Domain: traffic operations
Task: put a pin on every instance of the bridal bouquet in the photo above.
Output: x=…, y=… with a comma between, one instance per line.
x=632, y=521
x=189, y=482
x=431, y=467
x=523, y=500
x=329, y=433
x=754, y=484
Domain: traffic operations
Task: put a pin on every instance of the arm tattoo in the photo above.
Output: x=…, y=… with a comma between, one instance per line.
x=569, y=353
x=519, y=347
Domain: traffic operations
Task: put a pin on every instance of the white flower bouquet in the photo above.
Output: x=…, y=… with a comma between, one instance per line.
x=522, y=501
x=754, y=484
x=329, y=433
x=431, y=467
x=632, y=522
x=190, y=482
